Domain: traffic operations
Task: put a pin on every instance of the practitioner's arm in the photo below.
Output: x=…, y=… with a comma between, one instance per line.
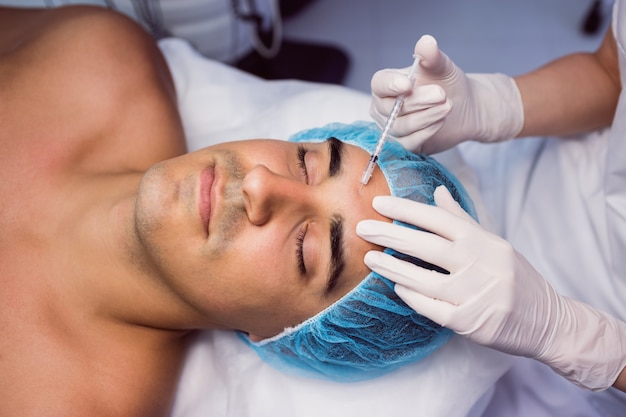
x=573, y=94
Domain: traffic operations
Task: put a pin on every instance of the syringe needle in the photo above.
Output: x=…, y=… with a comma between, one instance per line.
x=397, y=105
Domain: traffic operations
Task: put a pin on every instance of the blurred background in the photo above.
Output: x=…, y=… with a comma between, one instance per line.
x=479, y=35
x=346, y=41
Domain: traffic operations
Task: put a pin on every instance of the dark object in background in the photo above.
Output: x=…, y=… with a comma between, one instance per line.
x=302, y=61
x=290, y=8
x=295, y=60
x=593, y=19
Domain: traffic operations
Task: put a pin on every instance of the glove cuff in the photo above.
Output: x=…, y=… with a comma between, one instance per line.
x=501, y=116
x=591, y=347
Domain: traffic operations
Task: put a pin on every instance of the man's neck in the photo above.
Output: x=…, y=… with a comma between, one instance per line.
x=110, y=274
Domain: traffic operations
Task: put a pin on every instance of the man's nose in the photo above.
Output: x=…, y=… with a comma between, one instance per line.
x=266, y=194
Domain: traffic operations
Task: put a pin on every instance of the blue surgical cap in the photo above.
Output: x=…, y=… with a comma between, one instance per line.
x=370, y=331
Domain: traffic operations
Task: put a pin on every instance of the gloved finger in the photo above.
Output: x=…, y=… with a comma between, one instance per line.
x=444, y=200
x=408, y=124
x=430, y=283
x=424, y=106
x=425, y=216
x=437, y=310
x=422, y=97
x=416, y=243
x=434, y=63
x=426, y=246
x=419, y=142
x=427, y=283
x=390, y=83
x=380, y=108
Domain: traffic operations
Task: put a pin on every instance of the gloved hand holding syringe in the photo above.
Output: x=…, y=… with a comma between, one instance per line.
x=367, y=174
x=446, y=106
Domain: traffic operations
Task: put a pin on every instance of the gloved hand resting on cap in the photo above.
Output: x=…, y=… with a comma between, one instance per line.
x=445, y=106
x=492, y=295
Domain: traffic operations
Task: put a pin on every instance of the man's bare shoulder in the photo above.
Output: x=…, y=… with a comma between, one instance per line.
x=91, y=85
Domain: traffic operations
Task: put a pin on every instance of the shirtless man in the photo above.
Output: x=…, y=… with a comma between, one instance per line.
x=110, y=260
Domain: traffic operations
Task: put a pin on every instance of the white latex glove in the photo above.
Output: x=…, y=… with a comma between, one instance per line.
x=445, y=106
x=492, y=295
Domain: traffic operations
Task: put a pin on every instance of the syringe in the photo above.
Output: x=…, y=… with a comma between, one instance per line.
x=367, y=174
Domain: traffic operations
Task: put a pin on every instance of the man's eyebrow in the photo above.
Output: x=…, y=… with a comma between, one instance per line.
x=336, y=149
x=337, y=256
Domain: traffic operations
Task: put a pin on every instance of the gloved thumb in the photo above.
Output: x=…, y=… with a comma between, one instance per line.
x=444, y=200
x=433, y=61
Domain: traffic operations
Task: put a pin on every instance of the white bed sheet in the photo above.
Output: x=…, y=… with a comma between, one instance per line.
x=222, y=376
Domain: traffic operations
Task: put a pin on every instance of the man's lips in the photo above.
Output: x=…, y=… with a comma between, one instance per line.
x=207, y=177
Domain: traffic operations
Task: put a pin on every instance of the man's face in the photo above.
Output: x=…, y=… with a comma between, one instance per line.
x=258, y=235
